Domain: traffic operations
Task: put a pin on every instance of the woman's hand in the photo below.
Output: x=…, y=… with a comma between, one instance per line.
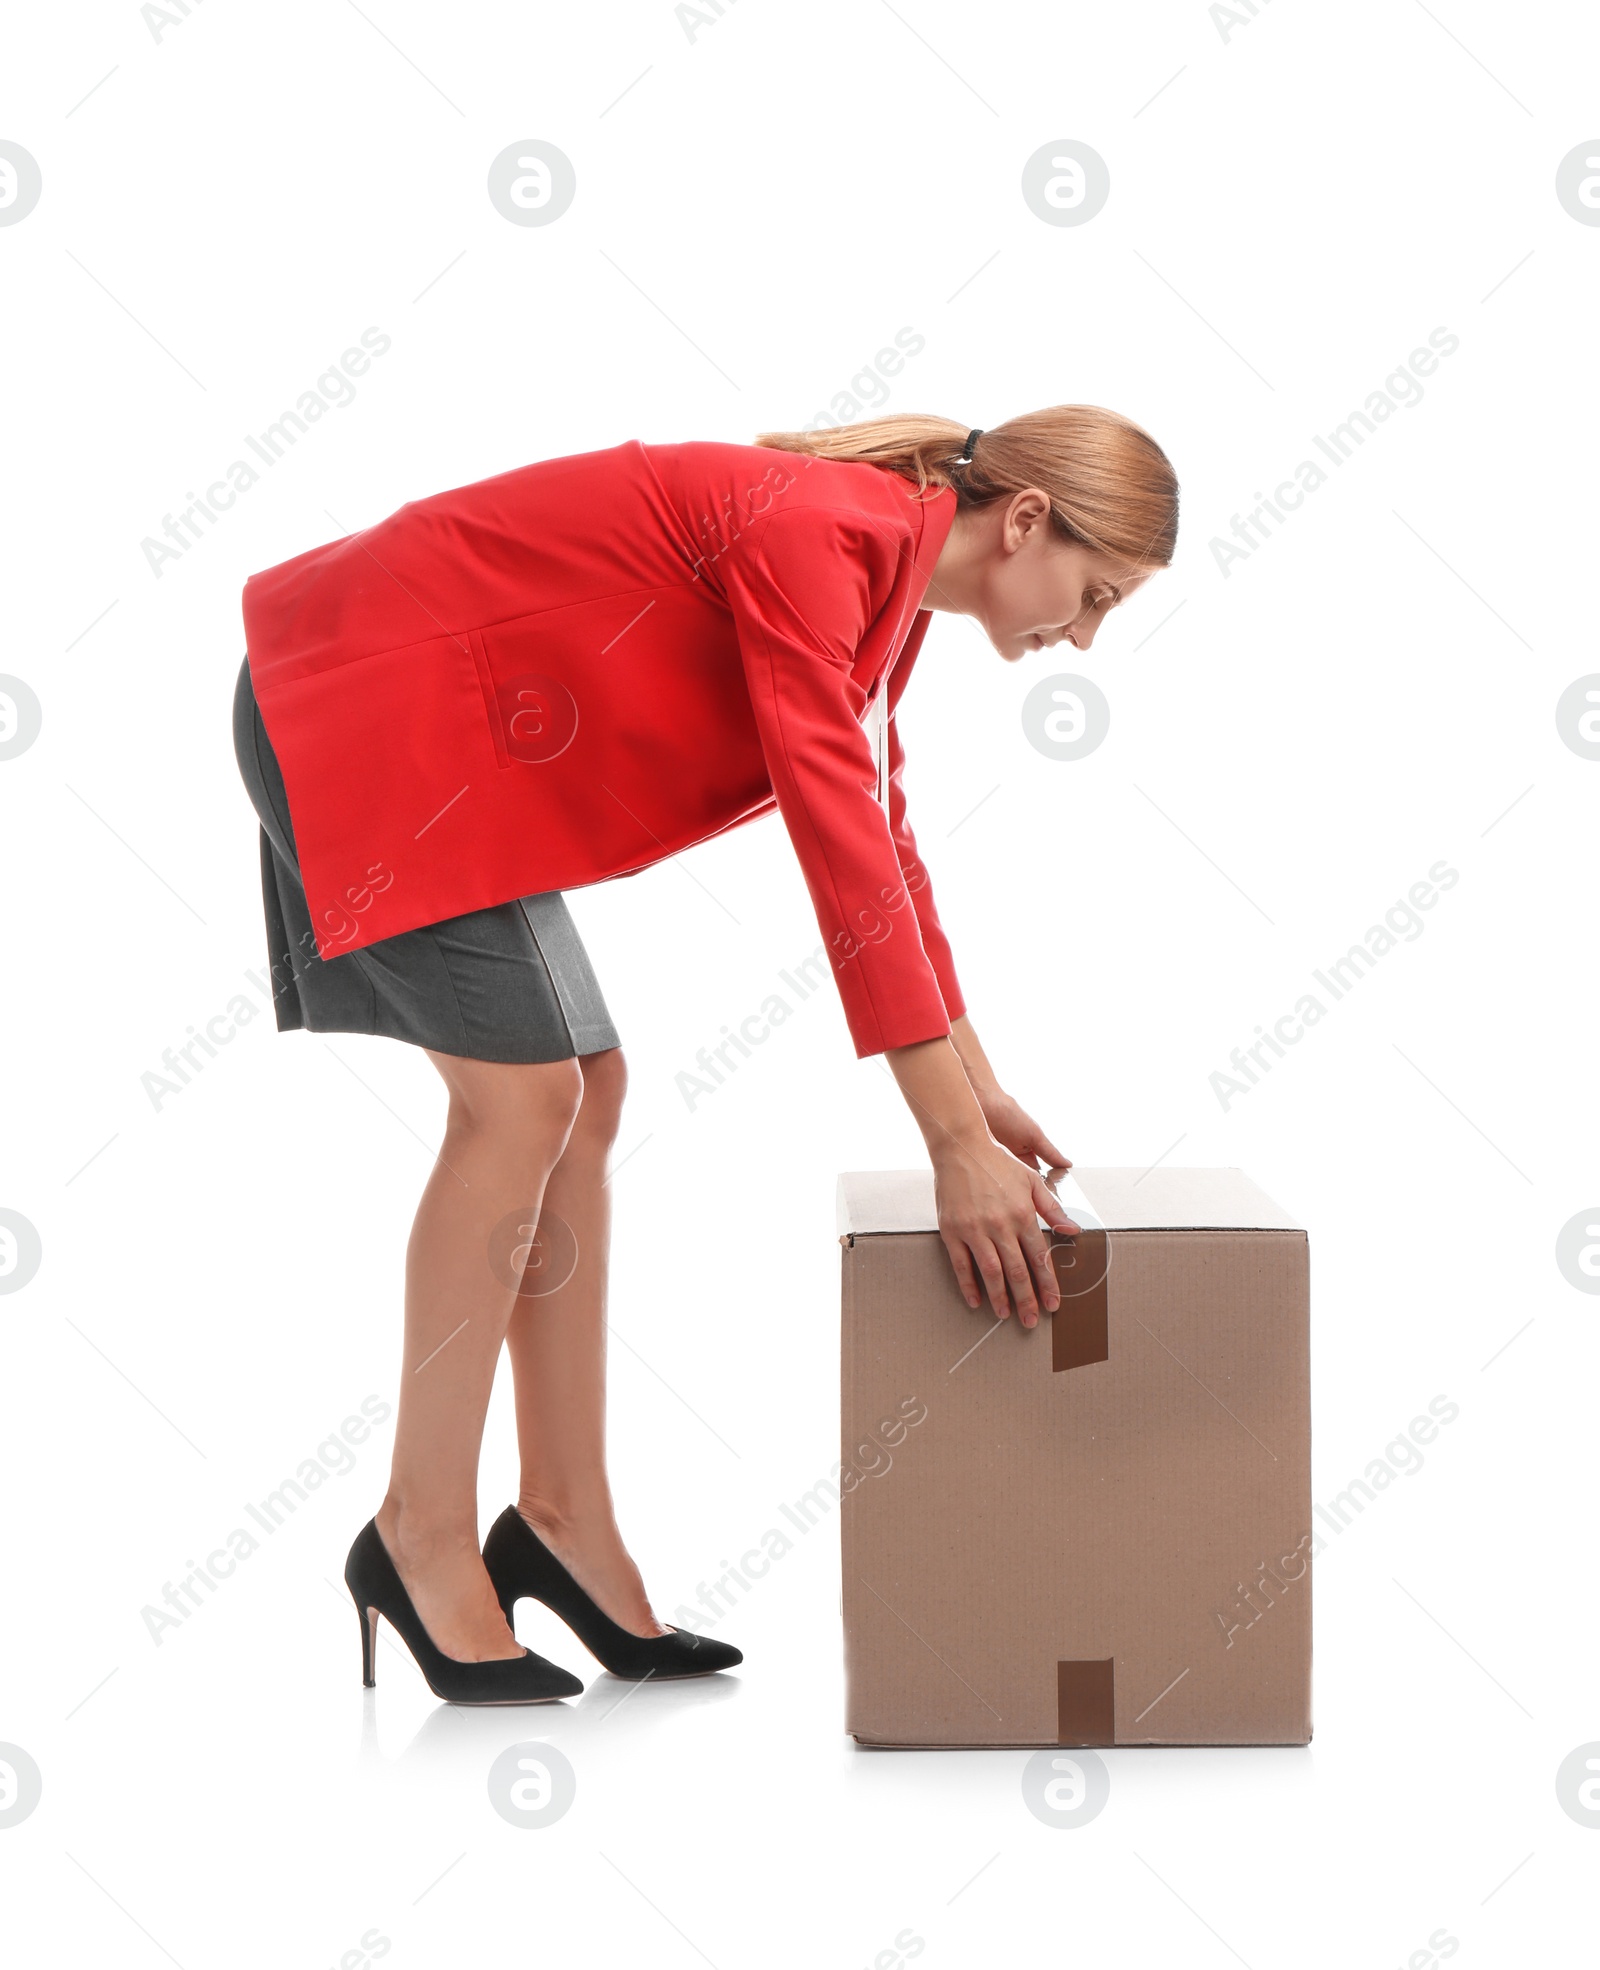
x=989, y=1205
x=989, y=1202
x=1008, y=1122
x=1012, y=1126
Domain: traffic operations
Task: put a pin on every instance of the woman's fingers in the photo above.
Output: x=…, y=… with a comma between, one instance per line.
x=1032, y=1276
x=1044, y=1271
x=966, y=1278
x=1019, y=1277
x=1031, y=1145
x=1052, y=1210
x=1016, y=1273
x=994, y=1276
x=978, y=1270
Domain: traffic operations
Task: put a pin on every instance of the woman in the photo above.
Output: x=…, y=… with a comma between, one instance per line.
x=562, y=675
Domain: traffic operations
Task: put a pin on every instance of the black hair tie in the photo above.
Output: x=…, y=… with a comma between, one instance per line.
x=966, y=449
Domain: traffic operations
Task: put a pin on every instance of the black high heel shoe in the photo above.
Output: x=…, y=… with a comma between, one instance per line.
x=377, y=1588
x=522, y=1566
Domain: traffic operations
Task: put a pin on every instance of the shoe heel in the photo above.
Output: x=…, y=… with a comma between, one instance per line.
x=369, y=1645
x=376, y=1588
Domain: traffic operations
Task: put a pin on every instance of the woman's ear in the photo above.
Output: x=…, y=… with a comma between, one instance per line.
x=1027, y=512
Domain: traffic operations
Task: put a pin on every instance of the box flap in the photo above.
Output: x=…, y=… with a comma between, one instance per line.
x=1160, y=1199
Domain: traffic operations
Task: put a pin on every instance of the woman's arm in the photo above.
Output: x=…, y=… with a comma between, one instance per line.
x=1009, y=1123
x=804, y=585
x=989, y=1203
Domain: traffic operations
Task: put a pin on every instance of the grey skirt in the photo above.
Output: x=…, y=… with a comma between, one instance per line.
x=509, y=984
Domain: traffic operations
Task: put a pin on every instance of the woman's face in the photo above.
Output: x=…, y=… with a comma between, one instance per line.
x=1030, y=589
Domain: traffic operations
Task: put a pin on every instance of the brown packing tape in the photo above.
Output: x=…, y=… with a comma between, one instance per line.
x=1086, y=1708
x=1079, y=1333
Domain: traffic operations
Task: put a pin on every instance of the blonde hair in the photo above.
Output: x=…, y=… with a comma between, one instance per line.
x=1110, y=485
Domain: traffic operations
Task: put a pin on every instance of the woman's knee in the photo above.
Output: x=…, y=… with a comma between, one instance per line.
x=605, y=1087
x=529, y=1105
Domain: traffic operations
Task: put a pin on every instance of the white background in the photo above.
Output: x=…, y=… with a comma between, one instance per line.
x=1295, y=204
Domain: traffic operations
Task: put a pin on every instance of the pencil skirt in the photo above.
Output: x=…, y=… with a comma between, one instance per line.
x=510, y=984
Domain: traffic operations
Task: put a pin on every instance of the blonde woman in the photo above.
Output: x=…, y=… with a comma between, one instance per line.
x=562, y=675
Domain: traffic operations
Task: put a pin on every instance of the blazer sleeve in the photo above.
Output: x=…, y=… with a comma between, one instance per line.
x=803, y=585
x=934, y=941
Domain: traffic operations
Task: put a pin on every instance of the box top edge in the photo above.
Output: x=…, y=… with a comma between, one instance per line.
x=1199, y=1198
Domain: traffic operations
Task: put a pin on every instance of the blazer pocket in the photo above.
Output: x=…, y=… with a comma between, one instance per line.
x=480, y=659
x=533, y=716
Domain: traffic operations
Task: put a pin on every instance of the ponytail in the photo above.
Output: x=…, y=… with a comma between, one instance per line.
x=1110, y=485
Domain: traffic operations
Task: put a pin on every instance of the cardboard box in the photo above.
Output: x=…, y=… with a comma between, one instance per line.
x=1098, y=1531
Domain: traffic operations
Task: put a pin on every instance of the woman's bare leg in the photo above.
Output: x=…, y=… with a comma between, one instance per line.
x=507, y=1129
x=557, y=1343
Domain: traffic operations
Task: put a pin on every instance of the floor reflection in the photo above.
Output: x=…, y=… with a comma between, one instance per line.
x=454, y=1735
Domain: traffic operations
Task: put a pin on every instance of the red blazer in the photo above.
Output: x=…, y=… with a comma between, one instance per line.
x=571, y=671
